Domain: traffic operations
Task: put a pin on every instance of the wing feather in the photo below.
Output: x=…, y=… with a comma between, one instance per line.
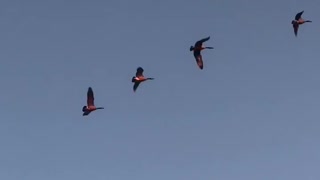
x=90, y=97
x=139, y=72
x=295, y=29
x=199, y=61
x=298, y=15
x=135, y=86
x=200, y=42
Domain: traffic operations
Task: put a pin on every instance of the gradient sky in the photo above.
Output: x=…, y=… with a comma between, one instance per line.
x=251, y=114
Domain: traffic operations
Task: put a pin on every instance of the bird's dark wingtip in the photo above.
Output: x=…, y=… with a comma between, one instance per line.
x=90, y=89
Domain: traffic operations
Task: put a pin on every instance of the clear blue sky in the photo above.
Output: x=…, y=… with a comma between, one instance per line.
x=251, y=114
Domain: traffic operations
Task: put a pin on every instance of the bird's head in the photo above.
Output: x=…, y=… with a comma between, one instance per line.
x=84, y=108
x=133, y=79
x=292, y=22
x=191, y=48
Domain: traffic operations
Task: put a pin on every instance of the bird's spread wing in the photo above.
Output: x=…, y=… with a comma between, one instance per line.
x=295, y=29
x=135, y=86
x=199, y=43
x=298, y=15
x=199, y=61
x=196, y=53
x=86, y=113
x=139, y=72
x=90, y=97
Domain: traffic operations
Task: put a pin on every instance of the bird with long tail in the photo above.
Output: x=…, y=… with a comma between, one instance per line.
x=90, y=103
x=298, y=20
x=139, y=78
x=197, y=48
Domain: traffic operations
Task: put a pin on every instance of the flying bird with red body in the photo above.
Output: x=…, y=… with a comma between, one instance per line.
x=298, y=20
x=197, y=48
x=139, y=78
x=90, y=103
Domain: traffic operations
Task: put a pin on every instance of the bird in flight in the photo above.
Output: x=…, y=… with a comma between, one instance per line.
x=197, y=48
x=139, y=78
x=90, y=103
x=298, y=20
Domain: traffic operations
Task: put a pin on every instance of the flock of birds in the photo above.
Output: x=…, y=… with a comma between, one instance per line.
x=197, y=48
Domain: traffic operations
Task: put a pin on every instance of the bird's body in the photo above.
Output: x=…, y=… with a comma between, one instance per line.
x=90, y=103
x=197, y=48
x=139, y=78
x=298, y=20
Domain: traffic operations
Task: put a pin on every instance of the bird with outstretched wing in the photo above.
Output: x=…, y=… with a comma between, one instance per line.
x=139, y=78
x=197, y=48
x=90, y=103
x=298, y=20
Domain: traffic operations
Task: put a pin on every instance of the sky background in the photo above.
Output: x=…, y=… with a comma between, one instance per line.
x=252, y=113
